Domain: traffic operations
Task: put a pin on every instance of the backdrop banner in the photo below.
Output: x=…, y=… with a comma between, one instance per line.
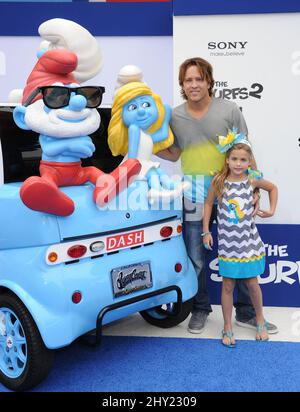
x=281, y=280
x=256, y=60
x=153, y=54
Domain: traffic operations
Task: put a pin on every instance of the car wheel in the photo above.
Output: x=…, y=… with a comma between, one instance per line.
x=162, y=316
x=24, y=359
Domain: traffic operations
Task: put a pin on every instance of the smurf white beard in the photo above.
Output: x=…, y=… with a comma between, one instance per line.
x=52, y=123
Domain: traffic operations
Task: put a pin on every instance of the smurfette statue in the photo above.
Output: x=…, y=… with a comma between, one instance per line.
x=139, y=127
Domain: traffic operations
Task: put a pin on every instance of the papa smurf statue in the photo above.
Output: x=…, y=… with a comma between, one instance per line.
x=64, y=113
x=139, y=127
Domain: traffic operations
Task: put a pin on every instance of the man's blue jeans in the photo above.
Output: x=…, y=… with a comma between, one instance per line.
x=192, y=229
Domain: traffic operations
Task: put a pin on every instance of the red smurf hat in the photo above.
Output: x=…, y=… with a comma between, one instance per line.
x=53, y=66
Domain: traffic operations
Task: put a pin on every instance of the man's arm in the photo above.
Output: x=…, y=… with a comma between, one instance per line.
x=172, y=153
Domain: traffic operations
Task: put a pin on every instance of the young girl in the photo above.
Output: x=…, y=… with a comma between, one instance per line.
x=241, y=250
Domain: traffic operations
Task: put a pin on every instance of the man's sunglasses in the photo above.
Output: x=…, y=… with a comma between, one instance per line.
x=56, y=97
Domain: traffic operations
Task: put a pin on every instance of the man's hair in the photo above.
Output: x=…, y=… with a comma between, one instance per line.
x=205, y=70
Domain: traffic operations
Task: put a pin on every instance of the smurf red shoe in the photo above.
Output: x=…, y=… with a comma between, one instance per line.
x=42, y=196
x=108, y=186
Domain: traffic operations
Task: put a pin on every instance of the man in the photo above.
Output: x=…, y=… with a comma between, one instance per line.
x=196, y=124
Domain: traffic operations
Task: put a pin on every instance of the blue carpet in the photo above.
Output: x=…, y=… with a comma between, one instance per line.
x=136, y=364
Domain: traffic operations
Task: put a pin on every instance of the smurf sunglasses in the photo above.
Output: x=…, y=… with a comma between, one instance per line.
x=56, y=97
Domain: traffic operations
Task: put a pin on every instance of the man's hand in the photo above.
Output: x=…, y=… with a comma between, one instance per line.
x=172, y=153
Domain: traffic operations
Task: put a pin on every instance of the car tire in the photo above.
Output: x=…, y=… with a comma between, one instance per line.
x=24, y=359
x=163, y=318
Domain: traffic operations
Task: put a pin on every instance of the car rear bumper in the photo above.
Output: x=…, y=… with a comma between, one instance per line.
x=47, y=290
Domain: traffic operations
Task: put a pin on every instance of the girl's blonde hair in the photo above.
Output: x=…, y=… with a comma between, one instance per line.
x=118, y=132
x=219, y=179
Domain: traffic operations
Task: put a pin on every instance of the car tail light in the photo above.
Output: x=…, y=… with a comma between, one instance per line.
x=97, y=246
x=76, y=251
x=179, y=228
x=52, y=257
x=178, y=267
x=76, y=297
x=166, y=231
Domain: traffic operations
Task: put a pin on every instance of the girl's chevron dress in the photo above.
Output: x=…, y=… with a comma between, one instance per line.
x=241, y=250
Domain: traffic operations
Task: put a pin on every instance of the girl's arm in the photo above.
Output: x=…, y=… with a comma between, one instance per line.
x=133, y=141
x=273, y=196
x=208, y=205
x=256, y=194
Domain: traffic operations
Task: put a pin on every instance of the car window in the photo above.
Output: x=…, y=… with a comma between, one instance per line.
x=21, y=150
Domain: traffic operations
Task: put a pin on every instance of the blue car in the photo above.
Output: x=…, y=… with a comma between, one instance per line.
x=63, y=278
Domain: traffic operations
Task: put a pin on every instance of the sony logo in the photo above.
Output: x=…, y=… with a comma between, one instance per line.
x=222, y=45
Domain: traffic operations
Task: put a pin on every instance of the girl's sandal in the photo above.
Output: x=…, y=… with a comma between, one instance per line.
x=262, y=329
x=228, y=334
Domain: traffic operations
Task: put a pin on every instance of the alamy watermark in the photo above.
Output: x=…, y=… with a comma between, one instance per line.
x=160, y=192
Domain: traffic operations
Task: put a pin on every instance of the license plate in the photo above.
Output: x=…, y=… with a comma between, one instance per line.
x=128, y=279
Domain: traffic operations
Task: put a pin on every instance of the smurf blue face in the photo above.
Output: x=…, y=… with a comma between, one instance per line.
x=141, y=111
x=72, y=118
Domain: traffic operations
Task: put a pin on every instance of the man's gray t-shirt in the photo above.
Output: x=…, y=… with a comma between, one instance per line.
x=197, y=138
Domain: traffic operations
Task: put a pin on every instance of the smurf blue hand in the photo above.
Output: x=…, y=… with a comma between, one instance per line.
x=168, y=113
x=133, y=141
x=82, y=146
x=165, y=181
x=163, y=132
x=79, y=155
x=53, y=147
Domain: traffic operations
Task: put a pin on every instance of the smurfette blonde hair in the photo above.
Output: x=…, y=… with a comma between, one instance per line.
x=238, y=210
x=118, y=132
